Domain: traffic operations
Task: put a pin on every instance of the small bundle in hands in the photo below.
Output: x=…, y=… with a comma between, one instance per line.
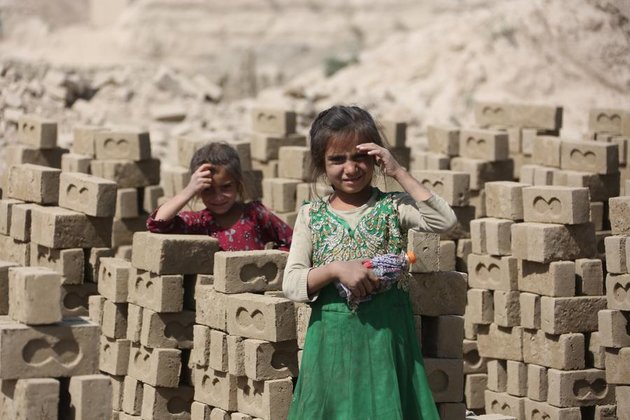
x=389, y=268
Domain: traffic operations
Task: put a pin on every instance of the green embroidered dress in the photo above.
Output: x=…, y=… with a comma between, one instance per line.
x=364, y=364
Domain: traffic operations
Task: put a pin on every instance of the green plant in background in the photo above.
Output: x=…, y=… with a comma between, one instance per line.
x=335, y=63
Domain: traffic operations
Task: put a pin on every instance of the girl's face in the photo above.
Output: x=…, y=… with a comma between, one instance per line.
x=222, y=194
x=348, y=170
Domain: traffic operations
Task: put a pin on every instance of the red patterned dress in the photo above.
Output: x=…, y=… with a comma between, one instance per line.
x=256, y=227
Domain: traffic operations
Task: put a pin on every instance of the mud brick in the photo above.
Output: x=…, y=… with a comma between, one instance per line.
x=623, y=402
x=474, y=387
x=595, y=351
x=426, y=247
x=614, y=328
x=92, y=261
x=441, y=293
x=443, y=139
x=530, y=310
x=546, y=242
x=114, y=355
x=464, y=248
x=155, y=292
x=4, y=286
x=600, y=187
x=124, y=229
x=56, y=227
x=616, y=254
x=294, y=162
x=34, y=295
x=483, y=144
x=133, y=396
x=473, y=362
x=541, y=410
x=446, y=256
x=174, y=254
x=266, y=148
x=114, y=320
x=200, y=354
x=249, y=271
x=394, y=132
x=504, y=199
x=537, y=175
x=609, y=120
x=33, y=399
x=273, y=121
x=451, y=185
x=618, y=365
x=236, y=355
x=166, y=403
x=157, y=367
x=589, y=277
x=6, y=212
x=87, y=194
x=218, y=355
x=21, y=222
x=90, y=396
x=482, y=171
x=37, y=132
x=564, y=351
x=597, y=214
x=72, y=162
x=552, y=204
x=279, y=193
x=186, y=148
x=579, y=388
x=14, y=250
x=500, y=342
x=553, y=279
x=95, y=308
x=559, y=315
x=122, y=145
x=538, y=116
x=83, y=139
x=263, y=317
x=263, y=360
x=150, y=197
x=493, y=273
x=536, y=382
x=174, y=179
x=34, y=183
x=134, y=322
x=211, y=307
x=113, y=279
x=618, y=291
x=61, y=350
x=443, y=336
x=215, y=388
x=590, y=156
x=75, y=299
x=478, y=201
x=128, y=173
x=302, y=317
x=430, y=161
x=446, y=379
x=620, y=215
x=607, y=412
x=516, y=378
x=123, y=252
x=497, y=375
x=507, y=311
x=201, y=411
x=266, y=399
x=462, y=229
x=498, y=236
x=505, y=404
x=546, y=151
x=170, y=330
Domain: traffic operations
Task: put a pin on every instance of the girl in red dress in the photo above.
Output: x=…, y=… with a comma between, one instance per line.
x=217, y=179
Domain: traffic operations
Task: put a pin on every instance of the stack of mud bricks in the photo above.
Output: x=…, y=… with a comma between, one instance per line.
x=37, y=144
x=284, y=159
x=438, y=299
x=613, y=126
x=536, y=287
x=614, y=321
x=48, y=363
x=55, y=219
x=175, y=178
x=146, y=313
x=245, y=352
x=124, y=157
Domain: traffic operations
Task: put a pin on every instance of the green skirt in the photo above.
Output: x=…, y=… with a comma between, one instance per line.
x=362, y=365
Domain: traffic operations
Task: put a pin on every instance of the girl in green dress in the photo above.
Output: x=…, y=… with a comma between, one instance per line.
x=364, y=363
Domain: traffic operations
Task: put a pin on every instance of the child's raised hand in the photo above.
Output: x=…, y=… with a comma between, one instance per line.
x=355, y=276
x=201, y=179
x=384, y=158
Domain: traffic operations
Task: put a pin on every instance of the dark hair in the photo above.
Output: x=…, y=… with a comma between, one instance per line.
x=220, y=154
x=341, y=123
